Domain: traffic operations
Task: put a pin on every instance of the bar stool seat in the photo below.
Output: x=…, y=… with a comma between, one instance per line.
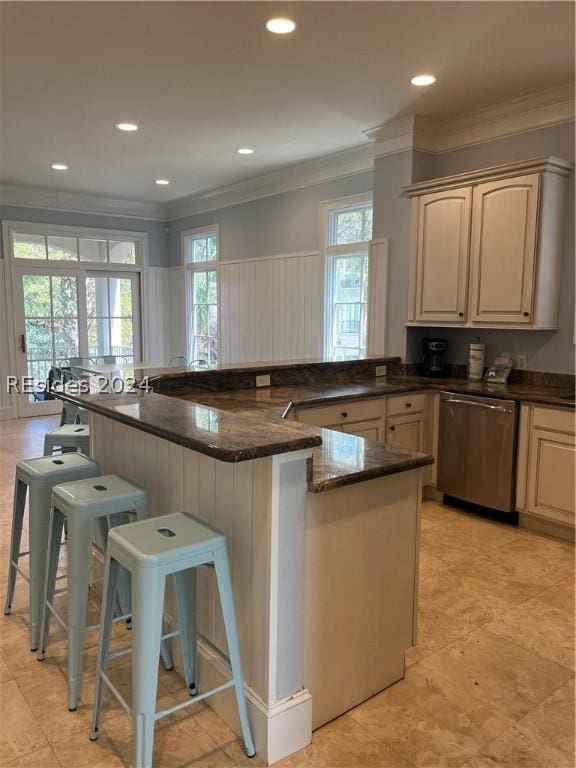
x=68, y=437
x=168, y=545
x=37, y=477
x=85, y=505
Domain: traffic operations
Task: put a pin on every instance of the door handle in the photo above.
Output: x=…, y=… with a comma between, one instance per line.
x=23, y=342
x=479, y=405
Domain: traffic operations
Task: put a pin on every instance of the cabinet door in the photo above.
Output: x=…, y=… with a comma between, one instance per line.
x=442, y=256
x=371, y=430
x=551, y=476
x=504, y=219
x=406, y=432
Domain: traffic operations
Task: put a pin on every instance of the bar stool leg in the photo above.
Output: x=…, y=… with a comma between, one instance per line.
x=147, y=611
x=80, y=534
x=39, y=529
x=54, y=541
x=106, y=616
x=227, y=602
x=186, y=605
x=20, y=489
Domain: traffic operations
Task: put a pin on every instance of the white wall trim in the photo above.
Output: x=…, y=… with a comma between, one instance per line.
x=291, y=255
x=348, y=162
x=79, y=202
x=528, y=113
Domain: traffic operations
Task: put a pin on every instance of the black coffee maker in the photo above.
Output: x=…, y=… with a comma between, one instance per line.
x=433, y=356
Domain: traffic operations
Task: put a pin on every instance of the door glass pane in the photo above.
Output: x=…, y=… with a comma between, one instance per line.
x=98, y=336
x=64, y=296
x=97, y=296
x=120, y=292
x=122, y=253
x=36, y=295
x=38, y=348
x=29, y=247
x=65, y=338
x=62, y=248
x=93, y=250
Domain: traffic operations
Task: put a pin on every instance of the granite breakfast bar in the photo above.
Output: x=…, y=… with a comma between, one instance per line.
x=323, y=536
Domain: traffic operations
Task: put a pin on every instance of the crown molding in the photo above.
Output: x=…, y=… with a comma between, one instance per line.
x=78, y=202
x=348, y=162
x=527, y=113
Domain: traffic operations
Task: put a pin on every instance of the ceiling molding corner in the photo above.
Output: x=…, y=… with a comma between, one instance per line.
x=77, y=202
x=527, y=113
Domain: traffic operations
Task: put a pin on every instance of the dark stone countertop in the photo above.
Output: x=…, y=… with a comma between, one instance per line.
x=214, y=432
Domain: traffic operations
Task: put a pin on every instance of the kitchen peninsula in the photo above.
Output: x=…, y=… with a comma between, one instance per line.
x=322, y=530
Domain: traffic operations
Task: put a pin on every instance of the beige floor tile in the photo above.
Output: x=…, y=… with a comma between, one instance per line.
x=554, y=717
x=432, y=722
x=440, y=544
x=502, y=674
x=520, y=747
x=539, y=627
x=40, y=758
x=561, y=595
x=459, y=524
x=20, y=733
x=5, y=674
x=344, y=743
x=176, y=745
x=221, y=733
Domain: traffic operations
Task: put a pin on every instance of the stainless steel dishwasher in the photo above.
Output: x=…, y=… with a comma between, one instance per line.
x=477, y=450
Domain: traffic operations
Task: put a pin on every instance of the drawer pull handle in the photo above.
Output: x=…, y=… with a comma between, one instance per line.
x=460, y=314
x=408, y=405
x=526, y=314
x=344, y=414
x=392, y=428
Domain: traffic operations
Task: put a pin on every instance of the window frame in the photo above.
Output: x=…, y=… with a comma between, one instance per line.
x=332, y=252
x=190, y=267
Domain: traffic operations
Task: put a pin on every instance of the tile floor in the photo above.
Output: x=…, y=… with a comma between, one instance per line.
x=491, y=682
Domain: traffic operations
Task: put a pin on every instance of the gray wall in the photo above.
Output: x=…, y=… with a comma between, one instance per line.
x=545, y=350
x=157, y=239
x=283, y=223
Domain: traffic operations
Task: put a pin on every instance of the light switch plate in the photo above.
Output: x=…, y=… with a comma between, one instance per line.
x=380, y=370
x=263, y=380
x=521, y=362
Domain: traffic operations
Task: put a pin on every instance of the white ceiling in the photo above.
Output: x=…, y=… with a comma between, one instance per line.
x=202, y=79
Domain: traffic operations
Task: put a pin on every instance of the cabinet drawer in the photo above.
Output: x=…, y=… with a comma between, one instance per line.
x=401, y=404
x=343, y=413
x=554, y=419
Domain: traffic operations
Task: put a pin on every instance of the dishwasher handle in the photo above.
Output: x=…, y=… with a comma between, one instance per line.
x=456, y=401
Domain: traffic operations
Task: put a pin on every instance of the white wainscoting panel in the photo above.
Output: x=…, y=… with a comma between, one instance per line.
x=271, y=308
x=378, y=297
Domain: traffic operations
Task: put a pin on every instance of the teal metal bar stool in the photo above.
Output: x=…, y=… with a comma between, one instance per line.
x=169, y=545
x=69, y=438
x=86, y=505
x=37, y=477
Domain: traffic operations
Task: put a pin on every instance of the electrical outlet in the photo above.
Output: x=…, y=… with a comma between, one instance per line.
x=380, y=370
x=263, y=380
x=521, y=362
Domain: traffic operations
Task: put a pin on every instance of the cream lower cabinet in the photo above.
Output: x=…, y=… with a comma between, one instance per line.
x=406, y=432
x=371, y=430
x=546, y=465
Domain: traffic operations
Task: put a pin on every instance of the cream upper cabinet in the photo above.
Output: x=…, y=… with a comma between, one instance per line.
x=486, y=247
x=503, y=249
x=443, y=235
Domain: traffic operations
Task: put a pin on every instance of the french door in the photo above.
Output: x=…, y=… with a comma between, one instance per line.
x=63, y=312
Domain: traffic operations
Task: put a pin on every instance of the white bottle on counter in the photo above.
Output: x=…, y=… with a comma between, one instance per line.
x=476, y=360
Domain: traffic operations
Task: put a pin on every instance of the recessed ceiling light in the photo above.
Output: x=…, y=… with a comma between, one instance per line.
x=162, y=182
x=59, y=167
x=422, y=80
x=280, y=26
x=245, y=151
x=127, y=126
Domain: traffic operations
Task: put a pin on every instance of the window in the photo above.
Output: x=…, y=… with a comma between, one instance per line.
x=201, y=259
x=56, y=248
x=110, y=316
x=349, y=230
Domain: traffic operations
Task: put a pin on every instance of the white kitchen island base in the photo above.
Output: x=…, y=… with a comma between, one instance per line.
x=324, y=583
